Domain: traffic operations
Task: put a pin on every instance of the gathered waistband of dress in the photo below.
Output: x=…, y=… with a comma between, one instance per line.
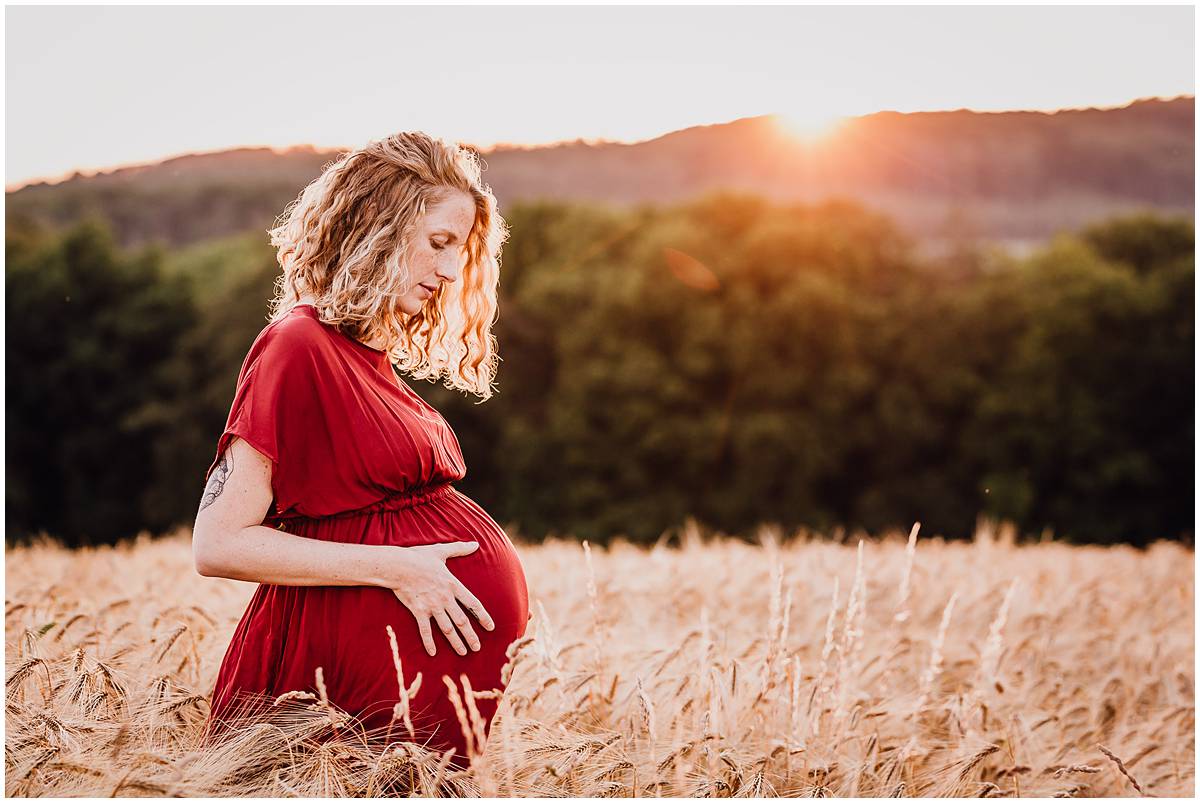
x=397, y=501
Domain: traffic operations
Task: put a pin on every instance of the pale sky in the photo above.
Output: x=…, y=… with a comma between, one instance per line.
x=93, y=87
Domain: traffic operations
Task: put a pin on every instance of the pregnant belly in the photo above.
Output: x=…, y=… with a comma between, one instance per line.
x=343, y=629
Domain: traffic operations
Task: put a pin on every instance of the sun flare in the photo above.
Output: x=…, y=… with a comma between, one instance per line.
x=809, y=126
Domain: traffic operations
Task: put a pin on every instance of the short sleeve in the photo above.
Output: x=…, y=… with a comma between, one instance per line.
x=274, y=402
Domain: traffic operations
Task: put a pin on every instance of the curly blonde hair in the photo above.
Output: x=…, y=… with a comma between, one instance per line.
x=344, y=241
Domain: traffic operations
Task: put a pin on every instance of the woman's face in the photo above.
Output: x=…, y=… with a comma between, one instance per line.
x=438, y=250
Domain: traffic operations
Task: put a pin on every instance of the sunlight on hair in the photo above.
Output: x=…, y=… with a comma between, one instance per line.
x=343, y=241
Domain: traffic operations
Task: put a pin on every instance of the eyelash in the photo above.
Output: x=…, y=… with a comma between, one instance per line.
x=436, y=247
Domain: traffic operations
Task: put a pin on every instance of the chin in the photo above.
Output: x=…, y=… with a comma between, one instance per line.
x=411, y=306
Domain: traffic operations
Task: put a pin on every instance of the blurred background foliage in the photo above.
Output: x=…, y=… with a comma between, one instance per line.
x=729, y=359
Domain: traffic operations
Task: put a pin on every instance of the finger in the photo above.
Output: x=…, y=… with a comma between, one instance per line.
x=426, y=635
x=463, y=623
x=472, y=604
x=458, y=548
x=451, y=634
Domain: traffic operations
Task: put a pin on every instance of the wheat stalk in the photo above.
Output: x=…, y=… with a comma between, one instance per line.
x=1124, y=770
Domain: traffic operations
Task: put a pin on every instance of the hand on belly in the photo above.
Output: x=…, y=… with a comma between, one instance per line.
x=419, y=578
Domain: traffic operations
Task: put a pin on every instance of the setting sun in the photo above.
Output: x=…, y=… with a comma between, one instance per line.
x=809, y=126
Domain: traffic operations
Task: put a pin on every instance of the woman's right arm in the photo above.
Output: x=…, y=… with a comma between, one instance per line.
x=228, y=540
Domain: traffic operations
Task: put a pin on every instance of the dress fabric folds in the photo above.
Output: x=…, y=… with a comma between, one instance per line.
x=358, y=457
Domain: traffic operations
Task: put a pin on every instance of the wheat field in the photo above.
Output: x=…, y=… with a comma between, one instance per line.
x=790, y=665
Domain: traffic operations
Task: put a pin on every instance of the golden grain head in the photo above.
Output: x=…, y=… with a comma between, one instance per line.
x=929, y=668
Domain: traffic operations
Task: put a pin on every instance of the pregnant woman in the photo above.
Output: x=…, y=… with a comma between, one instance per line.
x=332, y=485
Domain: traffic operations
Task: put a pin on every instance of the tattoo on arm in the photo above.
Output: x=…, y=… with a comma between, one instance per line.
x=216, y=482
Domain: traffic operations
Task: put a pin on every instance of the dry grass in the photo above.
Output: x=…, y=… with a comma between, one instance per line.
x=719, y=668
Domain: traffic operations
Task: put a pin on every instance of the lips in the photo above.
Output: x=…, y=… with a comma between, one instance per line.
x=431, y=290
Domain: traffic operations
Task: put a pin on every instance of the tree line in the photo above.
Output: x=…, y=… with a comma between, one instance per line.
x=729, y=359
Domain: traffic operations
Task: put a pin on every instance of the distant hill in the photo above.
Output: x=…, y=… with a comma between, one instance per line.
x=1016, y=177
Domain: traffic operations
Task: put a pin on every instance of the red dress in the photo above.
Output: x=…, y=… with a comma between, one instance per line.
x=359, y=457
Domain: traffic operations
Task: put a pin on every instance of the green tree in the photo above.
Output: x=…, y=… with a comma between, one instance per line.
x=88, y=334
x=1089, y=427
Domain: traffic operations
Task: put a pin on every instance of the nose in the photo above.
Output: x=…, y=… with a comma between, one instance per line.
x=448, y=266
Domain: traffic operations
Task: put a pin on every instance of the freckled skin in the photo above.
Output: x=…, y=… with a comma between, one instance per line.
x=437, y=251
x=436, y=257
